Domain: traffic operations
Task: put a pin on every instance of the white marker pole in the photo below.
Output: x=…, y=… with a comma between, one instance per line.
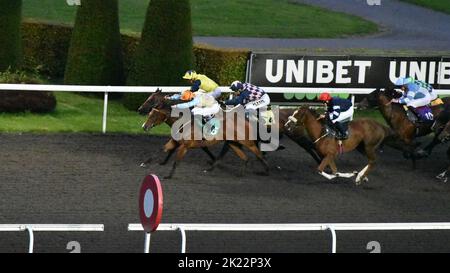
x=147, y=242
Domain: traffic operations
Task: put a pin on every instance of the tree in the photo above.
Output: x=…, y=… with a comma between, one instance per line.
x=95, y=53
x=10, y=35
x=165, y=52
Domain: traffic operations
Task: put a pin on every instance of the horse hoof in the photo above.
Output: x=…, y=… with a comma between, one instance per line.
x=359, y=180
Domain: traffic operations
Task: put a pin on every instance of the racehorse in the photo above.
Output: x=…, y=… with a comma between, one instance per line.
x=156, y=100
x=162, y=113
x=438, y=127
x=364, y=134
x=395, y=115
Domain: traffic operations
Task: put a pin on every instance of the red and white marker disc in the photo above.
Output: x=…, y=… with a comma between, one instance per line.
x=150, y=203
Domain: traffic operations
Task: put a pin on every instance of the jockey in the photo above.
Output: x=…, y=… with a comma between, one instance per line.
x=204, y=103
x=339, y=111
x=200, y=81
x=250, y=96
x=416, y=94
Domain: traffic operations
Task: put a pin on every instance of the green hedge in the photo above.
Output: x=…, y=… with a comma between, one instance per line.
x=95, y=53
x=223, y=66
x=10, y=42
x=46, y=46
x=165, y=51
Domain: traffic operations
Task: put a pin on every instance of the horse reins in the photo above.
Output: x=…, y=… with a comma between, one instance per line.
x=293, y=119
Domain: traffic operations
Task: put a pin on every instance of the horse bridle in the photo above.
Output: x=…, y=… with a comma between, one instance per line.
x=295, y=120
x=165, y=114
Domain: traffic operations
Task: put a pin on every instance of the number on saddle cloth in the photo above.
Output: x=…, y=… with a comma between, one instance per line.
x=212, y=126
x=424, y=114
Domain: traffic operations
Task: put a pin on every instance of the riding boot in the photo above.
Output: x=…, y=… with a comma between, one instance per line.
x=341, y=128
x=412, y=114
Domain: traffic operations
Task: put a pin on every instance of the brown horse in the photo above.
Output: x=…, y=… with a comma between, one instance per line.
x=156, y=100
x=365, y=134
x=407, y=131
x=162, y=114
x=298, y=136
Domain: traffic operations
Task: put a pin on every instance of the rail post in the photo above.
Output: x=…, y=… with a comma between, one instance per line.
x=31, y=244
x=105, y=111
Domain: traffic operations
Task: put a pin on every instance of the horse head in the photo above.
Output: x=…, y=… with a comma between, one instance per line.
x=296, y=119
x=155, y=100
x=155, y=118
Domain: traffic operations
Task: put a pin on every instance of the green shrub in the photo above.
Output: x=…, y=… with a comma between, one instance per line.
x=95, y=53
x=21, y=101
x=10, y=37
x=166, y=48
x=45, y=46
x=224, y=65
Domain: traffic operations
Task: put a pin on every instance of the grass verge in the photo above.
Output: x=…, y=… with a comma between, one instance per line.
x=437, y=5
x=249, y=18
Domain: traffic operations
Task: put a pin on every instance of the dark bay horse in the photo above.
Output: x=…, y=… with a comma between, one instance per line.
x=365, y=134
x=395, y=116
x=162, y=113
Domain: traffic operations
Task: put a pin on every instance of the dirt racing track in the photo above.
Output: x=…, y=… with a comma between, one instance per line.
x=95, y=179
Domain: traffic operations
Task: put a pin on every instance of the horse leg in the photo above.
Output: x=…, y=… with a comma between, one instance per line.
x=169, y=155
x=309, y=147
x=241, y=155
x=182, y=150
x=225, y=149
x=443, y=176
x=325, y=162
x=254, y=149
x=362, y=175
x=425, y=152
x=170, y=148
x=208, y=152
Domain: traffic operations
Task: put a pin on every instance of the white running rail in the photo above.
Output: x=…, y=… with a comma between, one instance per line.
x=172, y=89
x=31, y=228
x=332, y=227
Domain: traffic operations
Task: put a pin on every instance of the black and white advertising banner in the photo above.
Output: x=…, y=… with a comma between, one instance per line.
x=327, y=73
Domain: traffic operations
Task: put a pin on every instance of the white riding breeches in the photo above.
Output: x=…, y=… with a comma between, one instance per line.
x=262, y=102
x=346, y=115
x=206, y=111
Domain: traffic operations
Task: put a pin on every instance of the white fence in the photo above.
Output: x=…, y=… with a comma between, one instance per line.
x=332, y=228
x=171, y=89
x=31, y=228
